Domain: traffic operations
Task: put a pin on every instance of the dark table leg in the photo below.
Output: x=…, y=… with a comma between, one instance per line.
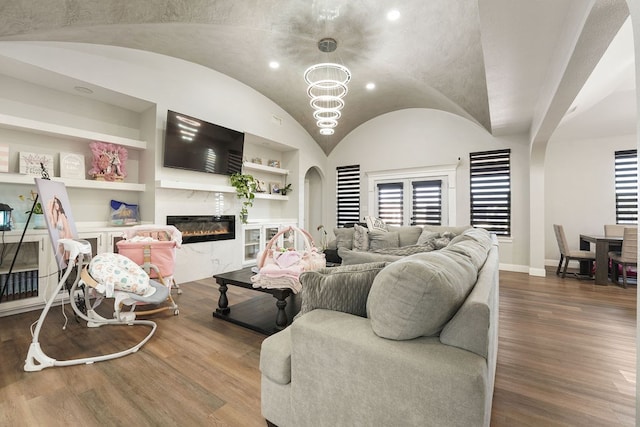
x=602, y=262
x=281, y=317
x=223, y=302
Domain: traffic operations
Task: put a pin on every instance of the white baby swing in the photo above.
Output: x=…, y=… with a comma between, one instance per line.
x=97, y=278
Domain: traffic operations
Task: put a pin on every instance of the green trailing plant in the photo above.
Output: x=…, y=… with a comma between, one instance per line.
x=245, y=186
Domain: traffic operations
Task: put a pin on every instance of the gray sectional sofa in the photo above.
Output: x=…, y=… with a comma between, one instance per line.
x=358, y=244
x=411, y=342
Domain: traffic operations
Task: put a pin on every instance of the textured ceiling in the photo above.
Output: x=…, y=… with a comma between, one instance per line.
x=437, y=55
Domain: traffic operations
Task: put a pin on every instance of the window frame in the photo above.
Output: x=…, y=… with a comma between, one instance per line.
x=446, y=173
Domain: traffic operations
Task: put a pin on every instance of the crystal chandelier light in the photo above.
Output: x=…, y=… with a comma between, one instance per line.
x=327, y=86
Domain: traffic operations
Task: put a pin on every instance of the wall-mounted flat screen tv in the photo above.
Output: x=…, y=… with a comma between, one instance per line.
x=196, y=145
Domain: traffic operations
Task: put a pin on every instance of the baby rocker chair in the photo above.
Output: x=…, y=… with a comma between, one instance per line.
x=103, y=276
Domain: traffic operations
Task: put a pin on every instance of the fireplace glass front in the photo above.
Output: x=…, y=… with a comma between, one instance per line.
x=204, y=228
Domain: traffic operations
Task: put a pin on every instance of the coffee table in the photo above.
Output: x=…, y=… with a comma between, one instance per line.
x=259, y=313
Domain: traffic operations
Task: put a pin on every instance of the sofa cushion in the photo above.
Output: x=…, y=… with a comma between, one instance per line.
x=343, y=288
x=360, y=238
x=407, y=234
x=383, y=239
x=344, y=237
x=417, y=295
x=442, y=228
x=350, y=257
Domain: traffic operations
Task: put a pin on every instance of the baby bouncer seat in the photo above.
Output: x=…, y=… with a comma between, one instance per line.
x=97, y=278
x=153, y=247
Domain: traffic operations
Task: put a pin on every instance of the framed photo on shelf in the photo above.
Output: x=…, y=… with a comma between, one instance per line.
x=274, y=163
x=4, y=158
x=72, y=165
x=261, y=186
x=30, y=163
x=274, y=188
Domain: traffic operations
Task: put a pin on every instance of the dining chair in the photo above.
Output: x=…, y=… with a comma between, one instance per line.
x=614, y=230
x=627, y=257
x=567, y=254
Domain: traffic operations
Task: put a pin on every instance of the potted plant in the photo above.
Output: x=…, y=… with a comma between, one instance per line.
x=245, y=186
x=38, y=213
x=286, y=189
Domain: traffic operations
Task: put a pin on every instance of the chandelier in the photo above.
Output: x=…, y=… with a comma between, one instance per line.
x=327, y=86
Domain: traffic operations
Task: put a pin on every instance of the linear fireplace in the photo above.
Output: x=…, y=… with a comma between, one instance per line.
x=204, y=228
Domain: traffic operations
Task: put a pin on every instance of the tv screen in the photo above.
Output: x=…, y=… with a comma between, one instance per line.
x=196, y=145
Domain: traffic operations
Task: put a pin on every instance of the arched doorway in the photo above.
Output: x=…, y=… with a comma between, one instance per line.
x=313, y=202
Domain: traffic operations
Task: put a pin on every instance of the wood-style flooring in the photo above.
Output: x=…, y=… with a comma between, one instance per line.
x=566, y=358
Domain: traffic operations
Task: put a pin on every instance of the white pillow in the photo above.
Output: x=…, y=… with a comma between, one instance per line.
x=375, y=224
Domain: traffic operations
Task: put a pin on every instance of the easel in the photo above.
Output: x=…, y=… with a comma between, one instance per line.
x=45, y=175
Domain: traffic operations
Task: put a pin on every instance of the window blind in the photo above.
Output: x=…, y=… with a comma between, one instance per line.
x=626, y=175
x=491, y=191
x=427, y=203
x=347, y=194
x=390, y=202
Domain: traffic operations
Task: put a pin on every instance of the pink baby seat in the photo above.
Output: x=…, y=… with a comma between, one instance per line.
x=153, y=247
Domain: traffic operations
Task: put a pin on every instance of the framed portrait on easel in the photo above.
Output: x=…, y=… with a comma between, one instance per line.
x=57, y=214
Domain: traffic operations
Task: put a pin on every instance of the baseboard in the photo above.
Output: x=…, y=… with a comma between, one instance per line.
x=516, y=268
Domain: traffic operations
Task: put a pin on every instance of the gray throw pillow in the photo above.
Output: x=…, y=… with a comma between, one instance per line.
x=360, y=238
x=383, y=239
x=407, y=234
x=344, y=237
x=343, y=288
x=417, y=295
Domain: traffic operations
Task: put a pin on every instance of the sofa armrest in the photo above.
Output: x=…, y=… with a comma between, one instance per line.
x=344, y=374
x=275, y=357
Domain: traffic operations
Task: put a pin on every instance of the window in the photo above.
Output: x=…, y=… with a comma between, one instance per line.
x=425, y=202
x=626, y=165
x=491, y=191
x=347, y=194
x=390, y=202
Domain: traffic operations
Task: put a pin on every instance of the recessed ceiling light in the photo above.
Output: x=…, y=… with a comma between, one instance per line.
x=83, y=89
x=274, y=65
x=370, y=86
x=393, y=15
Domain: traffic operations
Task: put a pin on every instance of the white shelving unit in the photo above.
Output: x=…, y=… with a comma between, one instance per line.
x=44, y=128
x=263, y=168
x=186, y=185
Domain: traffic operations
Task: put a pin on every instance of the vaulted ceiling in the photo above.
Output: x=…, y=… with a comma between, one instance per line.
x=511, y=66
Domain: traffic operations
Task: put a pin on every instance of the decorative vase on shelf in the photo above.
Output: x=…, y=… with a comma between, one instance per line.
x=38, y=221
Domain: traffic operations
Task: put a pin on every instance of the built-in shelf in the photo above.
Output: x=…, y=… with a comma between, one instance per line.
x=18, y=178
x=185, y=185
x=45, y=128
x=263, y=168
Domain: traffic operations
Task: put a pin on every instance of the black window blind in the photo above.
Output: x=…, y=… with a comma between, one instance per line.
x=427, y=203
x=347, y=194
x=390, y=202
x=626, y=175
x=491, y=191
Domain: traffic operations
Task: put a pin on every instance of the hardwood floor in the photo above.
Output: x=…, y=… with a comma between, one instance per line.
x=566, y=358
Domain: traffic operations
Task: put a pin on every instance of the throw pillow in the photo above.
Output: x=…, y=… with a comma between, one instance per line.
x=344, y=237
x=343, y=288
x=360, y=238
x=417, y=295
x=375, y=224
x=407, y=234
x=383, y=239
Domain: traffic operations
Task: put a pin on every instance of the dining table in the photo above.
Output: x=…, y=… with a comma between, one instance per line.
x=603, y=244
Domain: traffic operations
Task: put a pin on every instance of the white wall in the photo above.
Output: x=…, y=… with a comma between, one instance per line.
x=415, y=138
x=580, y=188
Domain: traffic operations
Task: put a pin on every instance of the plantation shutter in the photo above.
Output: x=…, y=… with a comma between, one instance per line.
x=427, y=203
x=390, y=202
x=491, y=191
x=626, y=165
x=347, y=194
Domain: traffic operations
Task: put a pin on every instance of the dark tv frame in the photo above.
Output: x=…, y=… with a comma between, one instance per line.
x=180, y=153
